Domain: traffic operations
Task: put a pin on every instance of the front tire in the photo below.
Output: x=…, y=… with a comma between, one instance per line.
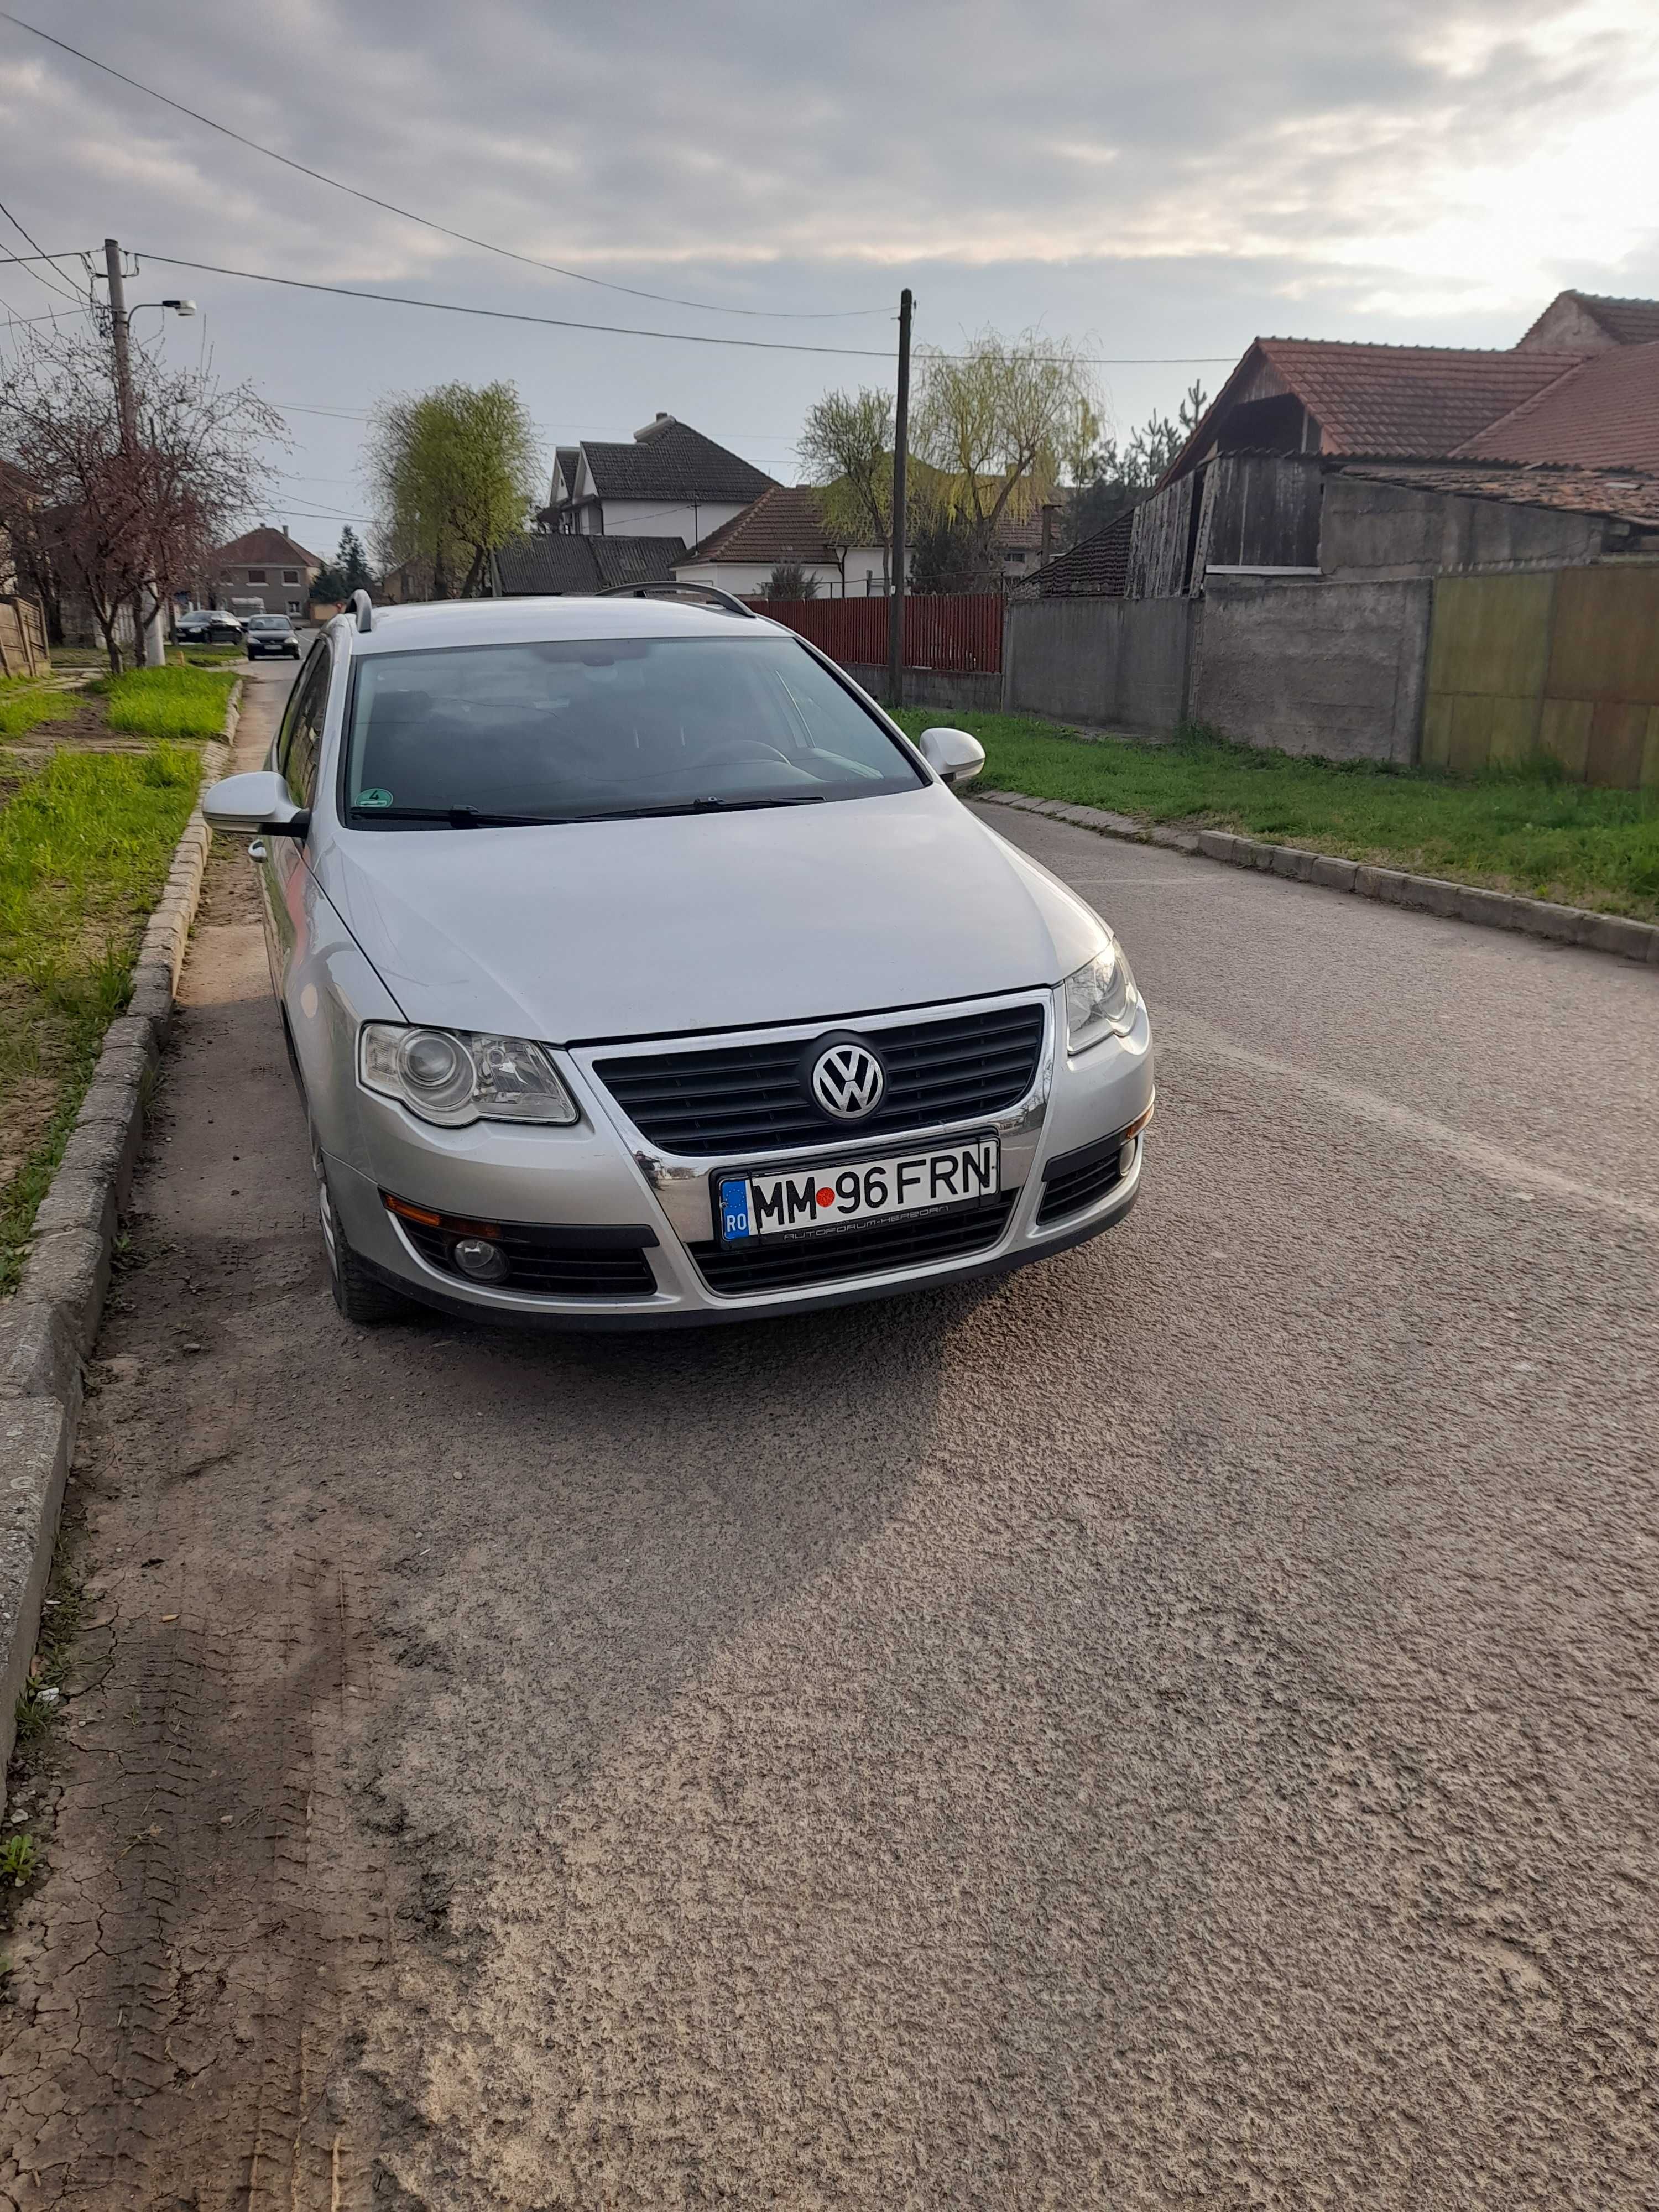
x=362, y=1299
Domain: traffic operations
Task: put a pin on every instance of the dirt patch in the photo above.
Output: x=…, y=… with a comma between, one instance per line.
x=186, y=1982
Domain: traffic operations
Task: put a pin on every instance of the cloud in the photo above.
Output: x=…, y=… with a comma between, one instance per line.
x=1165, y=181
x=1413, y=135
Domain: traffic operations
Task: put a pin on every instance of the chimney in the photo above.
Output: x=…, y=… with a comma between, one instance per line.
x=654, y=429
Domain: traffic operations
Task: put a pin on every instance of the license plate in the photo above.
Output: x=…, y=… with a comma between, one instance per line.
x=797, y=1202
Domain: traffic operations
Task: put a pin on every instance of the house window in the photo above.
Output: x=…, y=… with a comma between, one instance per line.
x=256, y=575
x=294, y=606
x=290, y=575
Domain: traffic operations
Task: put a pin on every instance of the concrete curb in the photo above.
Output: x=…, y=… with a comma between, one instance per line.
x=1560, y=925
x=49, y=1328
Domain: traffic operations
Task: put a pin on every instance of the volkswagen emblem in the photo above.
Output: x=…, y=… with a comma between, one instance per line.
x=847, y=1080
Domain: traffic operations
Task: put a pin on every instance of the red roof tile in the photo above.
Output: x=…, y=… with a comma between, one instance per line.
x=265, y=547
x=1627, y=496
x=1626, y=322
x=1409, y=400
x=784, y=524
x=1603, y=414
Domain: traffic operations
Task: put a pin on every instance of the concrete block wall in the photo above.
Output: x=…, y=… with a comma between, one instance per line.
x=1118, y=663
x=1314, y=667
x=940, y=688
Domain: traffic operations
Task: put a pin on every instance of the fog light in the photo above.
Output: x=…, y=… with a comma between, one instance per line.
x=1126, y=1156
x=481, y=1260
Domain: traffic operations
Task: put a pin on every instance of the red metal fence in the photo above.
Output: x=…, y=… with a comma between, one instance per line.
x=963, y=633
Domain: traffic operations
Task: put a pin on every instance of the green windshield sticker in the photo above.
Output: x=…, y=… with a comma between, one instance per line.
x=376, y=797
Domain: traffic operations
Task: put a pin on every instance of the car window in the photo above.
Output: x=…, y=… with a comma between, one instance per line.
x=580, y=729
x=303, y=727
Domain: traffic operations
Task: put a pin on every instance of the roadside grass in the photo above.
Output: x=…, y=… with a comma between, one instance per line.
x=1533, y=831
x=24, y=703
x=178, y=702
x=85, y=846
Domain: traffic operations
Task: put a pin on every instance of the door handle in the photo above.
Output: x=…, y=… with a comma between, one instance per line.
x=256, y=851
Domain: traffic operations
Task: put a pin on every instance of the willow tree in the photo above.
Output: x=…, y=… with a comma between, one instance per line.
x=455, y=472
x=999, y=425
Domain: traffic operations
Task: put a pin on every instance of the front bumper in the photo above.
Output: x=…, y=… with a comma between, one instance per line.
x=602, y=1174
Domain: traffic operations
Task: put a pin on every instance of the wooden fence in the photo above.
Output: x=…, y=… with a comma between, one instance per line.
x=960, y=635
x=22, y=637
x=1562, y=661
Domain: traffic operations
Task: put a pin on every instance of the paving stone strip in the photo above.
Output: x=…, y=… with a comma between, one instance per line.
x=1561, y=925
x=48, y=1328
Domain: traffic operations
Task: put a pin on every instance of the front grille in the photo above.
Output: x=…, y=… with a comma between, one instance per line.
x=734, y=1099
x=553, y=1263
x=883, y=1247
x=1077, y=1179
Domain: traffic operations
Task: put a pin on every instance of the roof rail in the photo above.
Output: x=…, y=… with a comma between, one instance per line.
x=724, y=600
x=363, y=607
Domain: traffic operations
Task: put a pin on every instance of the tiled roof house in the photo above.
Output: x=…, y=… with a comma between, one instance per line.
x=554, y=564
x=667, y=481
x=1567, y=419
x=266, y=566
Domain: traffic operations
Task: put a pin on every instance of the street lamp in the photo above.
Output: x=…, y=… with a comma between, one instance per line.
x=177, y=306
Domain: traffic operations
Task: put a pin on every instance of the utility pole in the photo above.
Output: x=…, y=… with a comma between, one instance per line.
x=901, y=464
x=118, y=319
x=150, y=637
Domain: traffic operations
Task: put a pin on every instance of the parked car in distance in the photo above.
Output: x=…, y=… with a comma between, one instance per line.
x=636, y=969
x=268, y=636
x=208, y=626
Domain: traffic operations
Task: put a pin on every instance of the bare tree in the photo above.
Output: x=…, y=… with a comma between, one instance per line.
x=847, y=443
x=1000, y=424
x=120, y=523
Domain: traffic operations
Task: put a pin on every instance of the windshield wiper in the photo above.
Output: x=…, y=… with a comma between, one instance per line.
x=460, y=818
x=705, y=806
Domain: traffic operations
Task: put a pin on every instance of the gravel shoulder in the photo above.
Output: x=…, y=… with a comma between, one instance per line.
x=1176, y=1726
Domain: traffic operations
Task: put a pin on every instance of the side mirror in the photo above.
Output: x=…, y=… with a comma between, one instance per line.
x=952, y=755
x=244, y=804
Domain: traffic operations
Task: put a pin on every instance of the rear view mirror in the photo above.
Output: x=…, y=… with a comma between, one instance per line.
x=953, y=756
x=243, y=804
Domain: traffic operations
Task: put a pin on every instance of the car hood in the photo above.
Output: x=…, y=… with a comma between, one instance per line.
x=609, y=929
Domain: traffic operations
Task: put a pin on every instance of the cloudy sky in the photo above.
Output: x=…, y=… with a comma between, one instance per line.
x=1160, y=182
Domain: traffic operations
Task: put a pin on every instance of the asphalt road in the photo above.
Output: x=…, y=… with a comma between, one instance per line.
x=1174, y=1727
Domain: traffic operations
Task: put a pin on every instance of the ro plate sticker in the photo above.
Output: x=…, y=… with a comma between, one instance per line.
x=734, y=1211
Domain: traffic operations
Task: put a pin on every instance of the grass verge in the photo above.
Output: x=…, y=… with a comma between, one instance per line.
x=170, y=703
x=24, y=704
x=1535, y=833
x=85, y=845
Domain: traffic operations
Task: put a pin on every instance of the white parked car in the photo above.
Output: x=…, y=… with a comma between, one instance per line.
x=636, y=969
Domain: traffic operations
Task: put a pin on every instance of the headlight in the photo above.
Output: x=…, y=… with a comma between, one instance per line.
x=1100, y=999
x=455, y=1076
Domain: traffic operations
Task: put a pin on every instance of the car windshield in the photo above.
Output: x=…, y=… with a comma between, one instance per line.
x=268, y=622
x=580, y=731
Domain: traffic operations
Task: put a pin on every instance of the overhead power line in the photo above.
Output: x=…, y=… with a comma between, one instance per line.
x=64, y=287
x=627, y=330
x=63, y=315
x=408, y=215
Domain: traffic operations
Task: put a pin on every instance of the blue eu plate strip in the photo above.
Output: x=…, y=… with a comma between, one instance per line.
x=735, y=1223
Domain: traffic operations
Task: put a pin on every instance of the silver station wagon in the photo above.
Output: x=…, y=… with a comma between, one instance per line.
x=636, y=969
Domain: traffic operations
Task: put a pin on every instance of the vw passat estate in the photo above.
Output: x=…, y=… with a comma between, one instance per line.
x=635, y=969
